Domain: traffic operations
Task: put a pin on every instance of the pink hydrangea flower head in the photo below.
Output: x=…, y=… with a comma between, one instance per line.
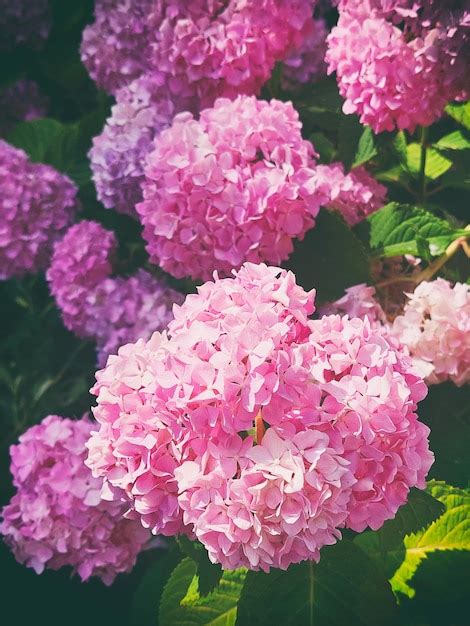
x=23, y=22
x=21, y=101
x=111, y=310
x=82, y=259
x=358, y=301
x=142, y=110
x=114, y=47
x=306, y=63
x=57, y=517
x=37, y=204
x=256, y=430
x=234, y=186
x=370, y=390
x=355, y=195
x=398, y=68
x=435, y=326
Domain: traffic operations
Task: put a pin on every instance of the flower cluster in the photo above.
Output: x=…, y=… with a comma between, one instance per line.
x=203, y=49
x=37, y=204
x=23, y=22
x=355, y=195
x=256, y=430
x=358, y=301
x=57, y=517
x=21, y=101
x=234, y=185
x=118, y=154
x=111, y=310
x=399, y=64
x=435, y=326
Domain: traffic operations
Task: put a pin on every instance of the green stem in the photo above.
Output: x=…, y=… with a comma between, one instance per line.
x=422, y=165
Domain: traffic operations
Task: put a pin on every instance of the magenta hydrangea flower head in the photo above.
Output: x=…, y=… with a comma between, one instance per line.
x=23, y=22
x=233, y=186
x=206, y=49
x=57, y=517
x=256, y=430
x=81, y=261
x=37, y=204
x=21, y=101
x=435, y=327
x=355, y=195
x=114, y=48
x=111, y=310
x=142, y=110
x=399, y=64
x=358, y=301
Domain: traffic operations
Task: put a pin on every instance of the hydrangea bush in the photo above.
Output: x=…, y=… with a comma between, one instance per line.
x=234, y=249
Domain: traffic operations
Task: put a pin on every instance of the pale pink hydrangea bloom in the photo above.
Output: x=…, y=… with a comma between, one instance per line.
x=397, y=67
x=204, y=49
x=355, y=195
x=177, y=415
x=37, y=204
x=111, y=310
x=21, y=101
x=57, y=517
x=306, y=63
x=233, y=186
x=117, y=158
x=435, y=326
x=358, y=301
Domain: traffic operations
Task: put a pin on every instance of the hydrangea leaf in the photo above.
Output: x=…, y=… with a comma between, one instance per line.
x=460, y=112
x=385, y=545
x=395, y=229
x=182, y=604
x=208, y=574
x=451, y=531
x=356, y=142
x=60, y=145
x=330, y=258
x=457, y=140
x=436, y=163
x=345, y=587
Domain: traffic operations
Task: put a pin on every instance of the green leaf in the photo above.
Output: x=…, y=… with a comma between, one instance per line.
x=385, y=546
x=446, y=410
x=451, y=531
x=345, y=587
x=330, y=258
x=460, y=113
x=356, y=143
x=60, y=145
x=458, y=140
x=396, y=228
x=208, y=574
x=436, y=163
x=182, y=605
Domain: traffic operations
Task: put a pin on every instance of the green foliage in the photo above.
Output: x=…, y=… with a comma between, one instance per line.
x=182, y=605
x=398, y=229
x=460, y=112
x=345, y=587
x=208, y=574
x=330, y=258
x=451, y=531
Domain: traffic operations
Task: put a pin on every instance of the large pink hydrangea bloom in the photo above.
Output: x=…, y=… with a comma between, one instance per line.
x=207, y=49
x=399, y=64
x=355, y=194
x=37, y=204
x=435, y=326
x=233, y=186
x=306, y=62
x=257, y=430
x=57, y=517
x=111, y=310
